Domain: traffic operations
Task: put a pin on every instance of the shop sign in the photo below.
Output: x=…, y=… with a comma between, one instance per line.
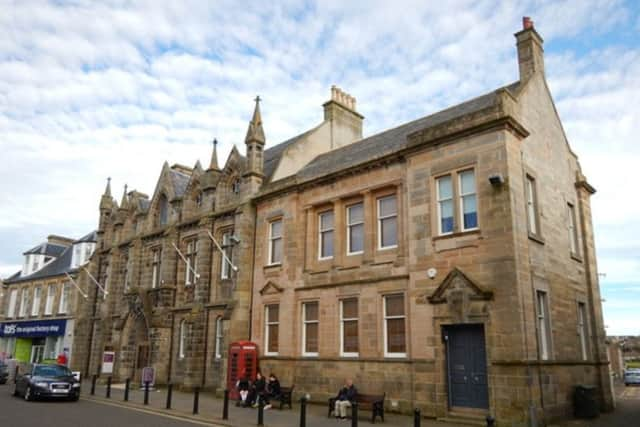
x=108, y=358
x=36, y=328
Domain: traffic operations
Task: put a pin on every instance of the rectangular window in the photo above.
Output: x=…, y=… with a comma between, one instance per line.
x=13, y=299
x=225, y=270
x=271, y=329
x=51, y=293
x=35, y=307
x=532, y=205
x=349, y=327
x=394, y=326
x=387, y=222
x=544, y=327
x=192, y=262
x=219, y=338
x=468, y=205
x=155, y=267
x=275, y=242
x=444, y=189
x=325, y=235
x=24, y=302
x=64, y=298
x=310, y=323
x=583, y=330
x=573, y=231
x=355, y=229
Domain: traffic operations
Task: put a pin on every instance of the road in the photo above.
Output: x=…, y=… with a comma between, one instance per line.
x=15, y=412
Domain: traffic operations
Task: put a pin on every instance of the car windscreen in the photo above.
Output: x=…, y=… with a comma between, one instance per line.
x=51, y=371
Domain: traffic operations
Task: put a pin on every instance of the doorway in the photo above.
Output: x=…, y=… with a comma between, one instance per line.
x=466, y=366
x=37, y=350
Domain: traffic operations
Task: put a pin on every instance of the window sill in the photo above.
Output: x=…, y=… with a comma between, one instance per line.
x=310, y=355
x=576, y=257
x=536, y=238
x=272, y=267
x=395, y=356
x=457, y=234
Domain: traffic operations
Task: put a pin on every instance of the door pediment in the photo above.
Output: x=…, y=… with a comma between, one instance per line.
x=456, y=285
x=271, y=288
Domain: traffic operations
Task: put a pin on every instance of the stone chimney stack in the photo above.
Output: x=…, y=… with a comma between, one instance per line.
x=346, y=122
x=530, y=51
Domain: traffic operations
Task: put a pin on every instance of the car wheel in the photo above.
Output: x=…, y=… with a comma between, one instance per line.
x=27, y=394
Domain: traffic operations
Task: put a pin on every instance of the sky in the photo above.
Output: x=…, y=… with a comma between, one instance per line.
x=90, y=90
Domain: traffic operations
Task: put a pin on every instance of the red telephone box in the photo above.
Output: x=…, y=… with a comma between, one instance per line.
x=243, y=359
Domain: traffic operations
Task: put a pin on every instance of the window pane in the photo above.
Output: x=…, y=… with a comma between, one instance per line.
x=389, y=232
x=350, y=308
x=395, y=336
x=273, y=339
x=273, y=313
x=356, y=213
x=446, y=216
x=350, y=337
x=276, y=228
x=388, y=206
x=467, y=182
x=276, y=254
x=326, y=221
x=356, y=238
x=311, y=311
x=311, y=338
x=327, y=244
x=445, y=190
x=394, y=305
x=469, y=212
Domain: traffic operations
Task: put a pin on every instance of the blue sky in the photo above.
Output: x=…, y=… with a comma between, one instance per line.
x=115, y=88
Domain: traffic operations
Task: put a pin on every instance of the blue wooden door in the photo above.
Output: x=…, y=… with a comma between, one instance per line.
x=467, y=366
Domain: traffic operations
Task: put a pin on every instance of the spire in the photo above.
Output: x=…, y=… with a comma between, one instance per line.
x=107, y=190
x=255, y=133
x=106, y=201
x=124, y=204
x=214, y=156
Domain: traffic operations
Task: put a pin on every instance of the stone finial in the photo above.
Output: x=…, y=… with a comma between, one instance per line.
x=255, y=133
x=124, y=204
x=214, y=156
x=343, y=98
x=107, y=190
x=527, y=23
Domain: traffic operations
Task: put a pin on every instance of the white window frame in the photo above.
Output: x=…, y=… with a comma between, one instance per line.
x=156, y=264
x=461, y=197
x=51, y=294
x=191, y=255
x=63, y=305
x=381, y=218
x=353, y=224
x=273, y=240
x=583, y=330
x=182, y=339
x=385, y=318
x=305, y=323
x=227, y=248
x=24, y=303
x=532, y=205
x=574, y=246
x=219, y=337
x=544, y=324
x=13, y=300
x=267, y=323
x=35, y=303
x=342, y=322
x=440, y=200
x=322, y=232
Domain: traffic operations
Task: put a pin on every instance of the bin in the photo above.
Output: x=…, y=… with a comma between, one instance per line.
x=585, y=402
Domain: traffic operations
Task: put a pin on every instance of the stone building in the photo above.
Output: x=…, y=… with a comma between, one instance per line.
x=447, y=262
x=38, y=303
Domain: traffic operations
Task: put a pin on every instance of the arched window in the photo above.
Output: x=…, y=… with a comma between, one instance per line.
x=163, y=210
x=182, y=339
x=219, y=338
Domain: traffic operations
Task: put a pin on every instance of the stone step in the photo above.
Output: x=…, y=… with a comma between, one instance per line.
x=464, y=419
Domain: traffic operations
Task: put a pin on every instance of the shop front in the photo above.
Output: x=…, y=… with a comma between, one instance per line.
x=35, y=341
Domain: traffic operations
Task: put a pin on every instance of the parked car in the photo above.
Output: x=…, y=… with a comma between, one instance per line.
x=47, y=381
x=631, y=376
x=4, y=373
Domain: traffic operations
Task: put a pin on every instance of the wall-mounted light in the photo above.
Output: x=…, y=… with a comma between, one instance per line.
x=496, y=179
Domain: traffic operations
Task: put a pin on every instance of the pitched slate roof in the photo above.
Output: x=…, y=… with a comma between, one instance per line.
x=392, y=140
x=179, y=181
x=46, y=248
x=56, y=267
x=89, y=238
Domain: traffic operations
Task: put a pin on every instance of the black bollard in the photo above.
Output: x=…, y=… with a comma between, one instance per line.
x=354, y=414
x=303, y=411
x=196, y=400
x=127, y=384
x=169, y=395
x=490, y=421
x=15, y=377
x=260, y=411
x=109, y=387
x=416, y=418
x=93, y=385
x=146, y=392
x=225, y=405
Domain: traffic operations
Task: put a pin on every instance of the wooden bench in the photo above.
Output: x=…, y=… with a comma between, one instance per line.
x=373, y=401
x=285, y=396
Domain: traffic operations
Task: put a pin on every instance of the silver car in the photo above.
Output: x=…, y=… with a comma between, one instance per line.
x=632, y=376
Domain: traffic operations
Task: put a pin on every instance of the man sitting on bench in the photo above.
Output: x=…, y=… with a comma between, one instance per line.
x=345, y=397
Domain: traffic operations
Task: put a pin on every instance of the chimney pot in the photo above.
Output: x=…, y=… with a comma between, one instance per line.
x=527, y=23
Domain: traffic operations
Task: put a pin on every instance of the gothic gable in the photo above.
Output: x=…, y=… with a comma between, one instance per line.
x=456, y=283
x=271, y=288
